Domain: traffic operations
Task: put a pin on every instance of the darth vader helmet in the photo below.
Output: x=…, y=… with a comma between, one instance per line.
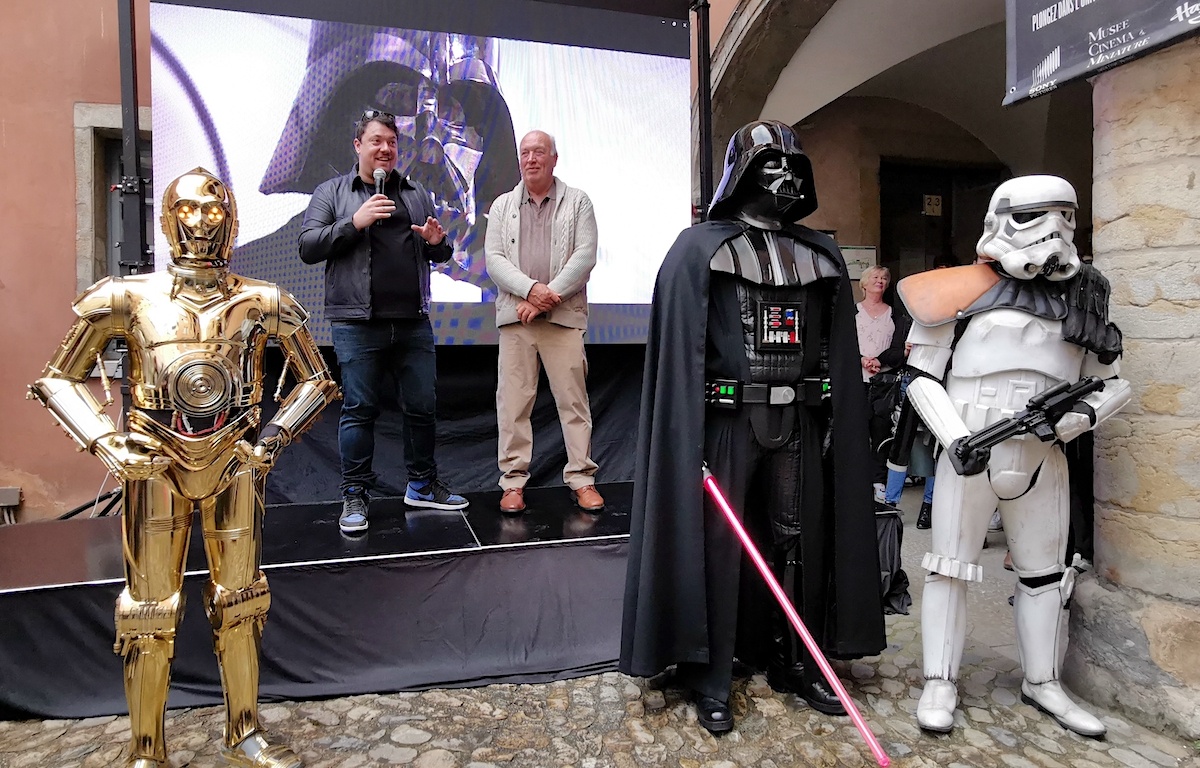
x=1030, y=228
x=199, y=218
x=767, y=176
x=454, y=130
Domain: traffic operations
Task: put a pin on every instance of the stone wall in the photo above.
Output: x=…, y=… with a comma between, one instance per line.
x=1135, y=623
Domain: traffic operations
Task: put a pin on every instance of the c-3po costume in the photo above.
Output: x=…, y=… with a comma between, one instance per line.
x=196, y=335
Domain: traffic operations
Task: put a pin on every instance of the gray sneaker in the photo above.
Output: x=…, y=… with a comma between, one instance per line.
x=354, y=512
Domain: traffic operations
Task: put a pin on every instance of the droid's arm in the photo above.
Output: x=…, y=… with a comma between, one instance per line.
x=930, y=356
x=1098, y=406
x=63, y=391
x=62, y=388
x=315, y=388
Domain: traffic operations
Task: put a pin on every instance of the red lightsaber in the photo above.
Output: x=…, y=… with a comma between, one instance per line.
x=876, y=750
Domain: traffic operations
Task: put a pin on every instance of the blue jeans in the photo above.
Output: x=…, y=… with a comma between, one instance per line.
x=372, y=355
x=895, y=485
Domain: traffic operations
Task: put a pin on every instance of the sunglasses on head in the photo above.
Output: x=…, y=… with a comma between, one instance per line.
x=375, y=114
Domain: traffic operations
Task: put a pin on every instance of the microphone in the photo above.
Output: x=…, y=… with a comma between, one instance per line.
x=379, y=175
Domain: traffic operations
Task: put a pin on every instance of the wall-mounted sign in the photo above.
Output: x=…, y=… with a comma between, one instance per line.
x=858, y=258
x=933, y=205
x=1051, y=42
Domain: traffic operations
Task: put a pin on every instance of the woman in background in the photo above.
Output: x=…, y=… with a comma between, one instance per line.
x=875, y=330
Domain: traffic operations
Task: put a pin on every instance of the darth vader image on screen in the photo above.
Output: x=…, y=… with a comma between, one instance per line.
x=455, y=131
x=752, y=368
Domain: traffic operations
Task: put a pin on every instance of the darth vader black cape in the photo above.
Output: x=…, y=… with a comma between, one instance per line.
x=665, y=612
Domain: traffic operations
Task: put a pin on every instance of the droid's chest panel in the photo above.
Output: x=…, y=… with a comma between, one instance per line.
x=196, y=362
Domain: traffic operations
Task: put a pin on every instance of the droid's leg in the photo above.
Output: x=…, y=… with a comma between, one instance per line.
x=155, y=538
x=1036, y=527
x=236, y=600
x=961, y=509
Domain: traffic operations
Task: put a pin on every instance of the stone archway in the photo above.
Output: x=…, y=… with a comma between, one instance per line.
x=758, y=42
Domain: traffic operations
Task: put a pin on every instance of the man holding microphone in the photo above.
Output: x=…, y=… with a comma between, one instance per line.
x=377, y=249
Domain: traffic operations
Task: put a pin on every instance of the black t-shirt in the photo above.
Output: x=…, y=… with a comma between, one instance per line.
x=395, y=285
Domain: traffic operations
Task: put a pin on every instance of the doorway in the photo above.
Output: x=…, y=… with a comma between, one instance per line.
x=932, y=215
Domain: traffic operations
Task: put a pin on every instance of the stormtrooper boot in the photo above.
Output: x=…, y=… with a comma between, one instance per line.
x=943, y=629
x=1037, y=611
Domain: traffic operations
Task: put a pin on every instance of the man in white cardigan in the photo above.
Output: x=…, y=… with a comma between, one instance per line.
x=541, y=247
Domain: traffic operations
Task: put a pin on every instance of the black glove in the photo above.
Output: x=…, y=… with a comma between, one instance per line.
x=968, y=461
x=1087, y=322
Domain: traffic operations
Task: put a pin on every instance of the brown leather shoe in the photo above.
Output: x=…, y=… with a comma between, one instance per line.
x=588, y=498
x=513, y=500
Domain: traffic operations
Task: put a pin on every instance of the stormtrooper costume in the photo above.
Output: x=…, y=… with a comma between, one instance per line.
x=987, y=338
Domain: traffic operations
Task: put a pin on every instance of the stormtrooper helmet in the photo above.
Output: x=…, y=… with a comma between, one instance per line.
x=1030, y=227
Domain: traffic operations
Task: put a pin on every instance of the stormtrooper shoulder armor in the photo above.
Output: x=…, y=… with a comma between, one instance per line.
x=939, y=296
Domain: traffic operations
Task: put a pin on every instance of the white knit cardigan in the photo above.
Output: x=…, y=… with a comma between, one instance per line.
x=572, y=254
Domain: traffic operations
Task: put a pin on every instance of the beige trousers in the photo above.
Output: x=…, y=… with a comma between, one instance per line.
x=561, y=351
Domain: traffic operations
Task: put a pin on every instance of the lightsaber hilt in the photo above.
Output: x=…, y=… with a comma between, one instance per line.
x=785, y=603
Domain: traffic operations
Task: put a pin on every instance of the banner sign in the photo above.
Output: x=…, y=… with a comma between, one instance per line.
x=1052, y=42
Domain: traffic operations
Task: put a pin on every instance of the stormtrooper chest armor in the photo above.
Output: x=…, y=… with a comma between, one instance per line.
x=777, y=299
x=1004, y=358
x=1010, y=340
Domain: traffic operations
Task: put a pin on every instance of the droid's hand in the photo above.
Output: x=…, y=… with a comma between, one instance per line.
x=966, y=459
x=260, y=455
x=131, y=456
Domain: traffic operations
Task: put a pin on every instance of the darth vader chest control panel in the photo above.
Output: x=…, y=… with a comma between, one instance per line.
x=779, y=325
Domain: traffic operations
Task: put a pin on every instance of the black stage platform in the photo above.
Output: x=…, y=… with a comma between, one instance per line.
x=423, y=599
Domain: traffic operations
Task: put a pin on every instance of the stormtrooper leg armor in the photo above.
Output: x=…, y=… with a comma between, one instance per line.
x=1036, y=527
x=961, y=509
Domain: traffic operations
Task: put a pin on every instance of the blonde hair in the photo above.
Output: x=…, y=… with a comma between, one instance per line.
x=870, y=271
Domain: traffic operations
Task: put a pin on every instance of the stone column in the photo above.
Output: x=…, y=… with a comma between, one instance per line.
x=1135, y=621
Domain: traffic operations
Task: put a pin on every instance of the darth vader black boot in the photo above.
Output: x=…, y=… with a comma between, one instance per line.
x=820, y=696
x=786, y=678
x=713, y=714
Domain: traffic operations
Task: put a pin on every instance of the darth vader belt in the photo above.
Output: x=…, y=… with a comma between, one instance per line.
x=732, y=394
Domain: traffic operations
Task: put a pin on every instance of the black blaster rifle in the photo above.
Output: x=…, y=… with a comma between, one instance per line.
x=970, y=455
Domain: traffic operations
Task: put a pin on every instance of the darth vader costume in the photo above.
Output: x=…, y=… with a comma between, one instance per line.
x=752, y=367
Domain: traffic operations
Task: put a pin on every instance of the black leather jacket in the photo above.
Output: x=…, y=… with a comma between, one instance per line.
x=328, y=235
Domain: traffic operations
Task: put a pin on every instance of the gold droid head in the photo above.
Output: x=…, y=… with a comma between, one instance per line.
x=199, y=218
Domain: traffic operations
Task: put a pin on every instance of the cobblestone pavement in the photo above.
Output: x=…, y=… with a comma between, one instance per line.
x=613, y=721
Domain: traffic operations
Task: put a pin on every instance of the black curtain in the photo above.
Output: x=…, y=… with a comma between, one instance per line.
x=309, y=470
